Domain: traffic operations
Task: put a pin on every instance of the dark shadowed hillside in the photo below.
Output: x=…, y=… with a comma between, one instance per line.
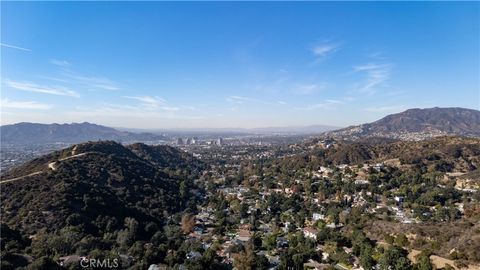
x=166, y=156
x=96, y=193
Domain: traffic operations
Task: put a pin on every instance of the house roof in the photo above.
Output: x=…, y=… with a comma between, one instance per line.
x=244, y=233
x=310, y=230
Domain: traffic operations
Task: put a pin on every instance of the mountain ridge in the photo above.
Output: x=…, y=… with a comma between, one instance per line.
x=25, y=132
x=417, y=124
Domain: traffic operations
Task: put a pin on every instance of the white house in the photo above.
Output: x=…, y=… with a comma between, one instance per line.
x=310, y=232
x=318, y=216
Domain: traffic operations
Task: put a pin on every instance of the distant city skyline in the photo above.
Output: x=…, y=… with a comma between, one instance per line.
x=166, y=65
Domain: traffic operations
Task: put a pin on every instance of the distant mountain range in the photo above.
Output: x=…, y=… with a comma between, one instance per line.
x=412, y=124
x=417, y=124
x=30, y=133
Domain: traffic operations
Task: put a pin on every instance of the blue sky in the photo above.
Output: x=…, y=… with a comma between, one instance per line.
x=235, y=64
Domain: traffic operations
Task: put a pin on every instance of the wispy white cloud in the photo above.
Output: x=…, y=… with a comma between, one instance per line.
x=53, y=79
x=60, y=63
x=32, y=87
x=237, y=101
x=275, y=84
x=377, y=55
x=153, y=103
x=376, y=75
x=396, y=93
x=68, y=76
x=29, y=105
x=128, y=112
x=324, y=48
x=334, y=101
x=369, y=66
x=92, y=81
x=191, y=108
x=170, y=108
x=14, y=47
x=306, y=89
x=240, y=99
x=327, y=104
x=150, y=101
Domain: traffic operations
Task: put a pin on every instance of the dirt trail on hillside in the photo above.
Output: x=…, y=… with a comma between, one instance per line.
x=51, y=166
x=21, y=177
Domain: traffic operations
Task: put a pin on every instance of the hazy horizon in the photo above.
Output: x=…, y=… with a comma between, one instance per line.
x=227, y=128
x=164, y=65
x=147, y=129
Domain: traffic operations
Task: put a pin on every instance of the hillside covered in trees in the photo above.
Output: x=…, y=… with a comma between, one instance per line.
x=444, y=154
x=98, y=198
